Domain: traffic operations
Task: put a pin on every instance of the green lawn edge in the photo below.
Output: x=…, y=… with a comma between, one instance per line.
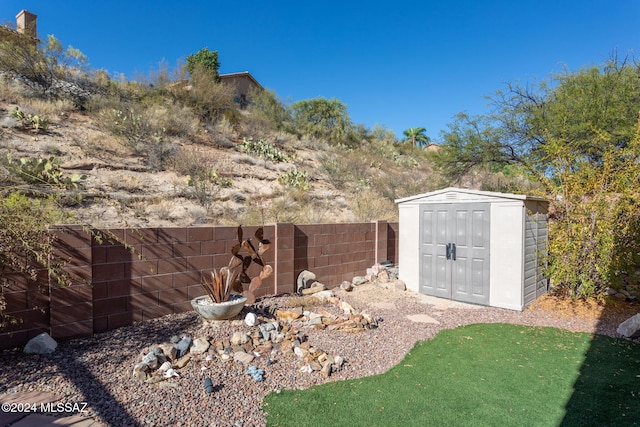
x=482, y=374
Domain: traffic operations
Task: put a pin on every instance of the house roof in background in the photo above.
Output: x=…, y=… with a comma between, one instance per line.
x=241, y=74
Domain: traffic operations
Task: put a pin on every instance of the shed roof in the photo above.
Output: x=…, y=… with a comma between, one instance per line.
x=454, y=190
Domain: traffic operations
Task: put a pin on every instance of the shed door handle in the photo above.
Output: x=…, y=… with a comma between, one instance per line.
x=451, y=251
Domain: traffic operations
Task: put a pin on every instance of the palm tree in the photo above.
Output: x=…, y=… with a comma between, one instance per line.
x=416, y=136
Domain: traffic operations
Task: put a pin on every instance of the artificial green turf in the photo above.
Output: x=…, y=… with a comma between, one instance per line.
x=482, y=375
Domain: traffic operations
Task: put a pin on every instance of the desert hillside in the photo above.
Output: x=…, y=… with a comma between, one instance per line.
x=140, y=156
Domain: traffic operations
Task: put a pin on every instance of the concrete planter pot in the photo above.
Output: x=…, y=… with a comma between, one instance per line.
x=218, y=311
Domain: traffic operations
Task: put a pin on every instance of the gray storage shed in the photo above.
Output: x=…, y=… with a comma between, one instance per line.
x=474, y=246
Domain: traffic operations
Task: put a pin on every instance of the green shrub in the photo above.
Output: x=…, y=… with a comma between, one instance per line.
x=595, y=227
x=295, y=179
x=265, y=150
x=43, y=171
x=138, y=133
x=208, y=98
x=30, y=121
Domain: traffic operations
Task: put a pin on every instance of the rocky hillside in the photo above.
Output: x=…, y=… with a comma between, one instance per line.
x=205, y=173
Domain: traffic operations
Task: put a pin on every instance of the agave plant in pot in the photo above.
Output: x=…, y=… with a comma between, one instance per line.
x=225, y=290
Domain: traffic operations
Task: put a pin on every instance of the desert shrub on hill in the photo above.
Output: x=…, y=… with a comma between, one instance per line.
x=208, y=98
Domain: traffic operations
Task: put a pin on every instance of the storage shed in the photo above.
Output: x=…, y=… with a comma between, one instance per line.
x=473, y=246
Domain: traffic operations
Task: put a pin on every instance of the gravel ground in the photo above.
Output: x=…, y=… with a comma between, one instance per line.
x=98, y=370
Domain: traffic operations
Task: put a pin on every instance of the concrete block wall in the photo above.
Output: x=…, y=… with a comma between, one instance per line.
x=142, y=274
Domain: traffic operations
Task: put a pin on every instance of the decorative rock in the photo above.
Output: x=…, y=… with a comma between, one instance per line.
x=346, y=286
x=399, y=285
x=630, y=328
x=359, y=280
x=240, y=338
x=316, y=320
x=243, y=357
x=257, y=374
x=288, y=315
x=140, y=371
x=169, y=350
x=200, y=346
x=41, y=344
x=165, y=366
x=306, y=368
x=151, y=360
x=251, y=319
x=326, y=370
x=323, y=295
x=183, y=345
x=170, y=373
x=383, y=277
x=346, y=307
x=396, y=285
x=208, y=385
x=300, y=352
x=182, y=362
x=393, y=272
x=305, y=279
x=317, y=287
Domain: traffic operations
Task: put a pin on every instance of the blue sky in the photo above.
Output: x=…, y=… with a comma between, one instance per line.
x=398, y=64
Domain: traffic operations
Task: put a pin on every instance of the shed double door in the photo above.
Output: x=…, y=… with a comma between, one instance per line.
x=454, y=251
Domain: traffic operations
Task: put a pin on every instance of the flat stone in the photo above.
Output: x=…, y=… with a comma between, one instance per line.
x=39, y=420
x=32, y=398
x=243, y=357
x=314, y=289
x=422, y=318
x=287, y=315
x=359, y=280
x=182, y=362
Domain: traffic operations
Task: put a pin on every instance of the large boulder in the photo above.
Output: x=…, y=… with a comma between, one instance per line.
x=630, y=328
x=41, y=344
x=305, y=280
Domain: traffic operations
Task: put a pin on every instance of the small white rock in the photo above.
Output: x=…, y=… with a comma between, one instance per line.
x=165, y=366
x=171, y=373
x=251, y=319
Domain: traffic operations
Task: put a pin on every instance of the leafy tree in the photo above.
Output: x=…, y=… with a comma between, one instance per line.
x=576, y=135
x=205, y=59
x=322, y=118
x=416, y=136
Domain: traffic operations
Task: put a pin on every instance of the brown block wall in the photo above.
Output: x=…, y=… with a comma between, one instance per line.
x=142, y=274
x=334, y=252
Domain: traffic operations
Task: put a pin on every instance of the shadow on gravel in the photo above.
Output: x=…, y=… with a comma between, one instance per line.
x=78, y=360
x=606, y=390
